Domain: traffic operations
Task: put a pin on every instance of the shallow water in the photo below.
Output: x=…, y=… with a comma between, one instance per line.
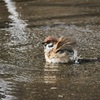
x=24, y=75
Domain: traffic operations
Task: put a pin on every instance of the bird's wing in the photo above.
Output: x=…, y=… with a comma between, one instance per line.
x=63, y=43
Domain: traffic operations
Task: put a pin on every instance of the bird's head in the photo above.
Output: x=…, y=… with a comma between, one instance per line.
x=49, y=43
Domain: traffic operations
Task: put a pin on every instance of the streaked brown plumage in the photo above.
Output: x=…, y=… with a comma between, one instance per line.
x=60, y=50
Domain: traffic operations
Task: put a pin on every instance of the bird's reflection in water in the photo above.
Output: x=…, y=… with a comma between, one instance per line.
x=50, y=73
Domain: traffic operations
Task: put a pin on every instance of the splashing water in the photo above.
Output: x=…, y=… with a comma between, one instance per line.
x=18, y=34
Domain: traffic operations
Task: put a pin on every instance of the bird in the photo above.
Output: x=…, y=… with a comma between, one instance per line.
x=61, y=50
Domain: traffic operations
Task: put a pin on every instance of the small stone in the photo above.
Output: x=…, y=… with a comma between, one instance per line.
x=53, y=88
x=60, y=96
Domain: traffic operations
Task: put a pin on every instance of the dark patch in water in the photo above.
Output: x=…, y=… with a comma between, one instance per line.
x=66, y=16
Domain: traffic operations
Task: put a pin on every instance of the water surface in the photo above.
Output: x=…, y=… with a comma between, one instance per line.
x=24, y=75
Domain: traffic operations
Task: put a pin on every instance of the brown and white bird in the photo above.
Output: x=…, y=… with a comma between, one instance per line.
x=60, y=50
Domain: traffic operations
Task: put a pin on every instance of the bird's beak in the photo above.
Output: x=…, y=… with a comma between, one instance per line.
x=43, y=42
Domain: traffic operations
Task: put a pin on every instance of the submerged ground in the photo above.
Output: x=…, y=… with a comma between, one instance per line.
x=23, y=72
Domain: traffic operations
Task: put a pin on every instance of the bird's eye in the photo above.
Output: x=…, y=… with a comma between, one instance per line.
x=45, y=44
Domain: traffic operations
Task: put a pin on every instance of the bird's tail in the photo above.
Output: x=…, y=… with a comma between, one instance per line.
x=87, y=60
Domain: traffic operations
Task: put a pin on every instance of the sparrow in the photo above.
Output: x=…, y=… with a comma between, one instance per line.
x=62, y=50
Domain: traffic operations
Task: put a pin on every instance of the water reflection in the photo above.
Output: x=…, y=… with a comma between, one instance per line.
x=50, y=73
